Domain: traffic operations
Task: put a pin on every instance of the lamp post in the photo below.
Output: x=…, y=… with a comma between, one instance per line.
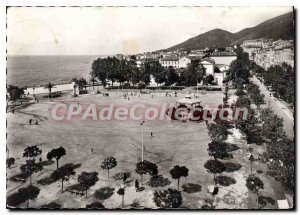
x=142, y=124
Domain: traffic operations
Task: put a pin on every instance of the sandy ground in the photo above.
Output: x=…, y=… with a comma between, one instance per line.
x=174, y=143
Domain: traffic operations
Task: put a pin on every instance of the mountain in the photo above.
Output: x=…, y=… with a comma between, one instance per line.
x=280, y=27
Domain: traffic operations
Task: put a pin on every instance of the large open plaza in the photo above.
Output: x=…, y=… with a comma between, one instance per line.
x=89, y=142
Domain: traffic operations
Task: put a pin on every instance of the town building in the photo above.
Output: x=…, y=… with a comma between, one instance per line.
x=176, y=62
x=209, y=65
x=279, y=52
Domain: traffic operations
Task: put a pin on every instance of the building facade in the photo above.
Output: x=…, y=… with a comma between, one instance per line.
x=176, y=62
x=224, y=58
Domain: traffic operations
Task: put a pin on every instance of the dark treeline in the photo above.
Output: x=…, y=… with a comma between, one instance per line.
x=126, y=72
x=239, y=72
x=281, y=78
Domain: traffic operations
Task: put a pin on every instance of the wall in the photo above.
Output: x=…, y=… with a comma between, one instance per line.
x=223, y=59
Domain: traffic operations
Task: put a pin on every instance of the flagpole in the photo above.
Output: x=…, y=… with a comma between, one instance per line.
x=143, y=141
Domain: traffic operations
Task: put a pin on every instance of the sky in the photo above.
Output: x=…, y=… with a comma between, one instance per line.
x=124, y=30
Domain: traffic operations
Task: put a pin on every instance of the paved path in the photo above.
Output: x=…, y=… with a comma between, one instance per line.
x=278, y=107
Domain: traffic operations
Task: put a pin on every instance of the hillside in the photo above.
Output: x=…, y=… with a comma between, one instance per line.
x=280, y=27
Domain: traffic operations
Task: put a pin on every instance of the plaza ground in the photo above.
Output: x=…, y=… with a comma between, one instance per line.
x=174, y=143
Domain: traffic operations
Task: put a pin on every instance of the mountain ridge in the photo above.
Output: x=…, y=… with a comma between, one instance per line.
x=279, y=27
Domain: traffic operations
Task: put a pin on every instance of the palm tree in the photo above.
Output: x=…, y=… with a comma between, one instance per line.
x=49, y=87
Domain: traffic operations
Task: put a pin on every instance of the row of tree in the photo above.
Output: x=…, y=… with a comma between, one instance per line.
x=281, y=78
x=265, y=127
x=111, y=69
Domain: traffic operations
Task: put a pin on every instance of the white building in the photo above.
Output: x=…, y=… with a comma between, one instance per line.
x=209, y=64
x=176, y=62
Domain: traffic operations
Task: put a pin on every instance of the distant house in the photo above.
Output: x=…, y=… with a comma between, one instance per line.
x=119, y=56
x=184, y=62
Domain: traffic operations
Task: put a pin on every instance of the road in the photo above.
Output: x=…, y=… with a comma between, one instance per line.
x=278, y=107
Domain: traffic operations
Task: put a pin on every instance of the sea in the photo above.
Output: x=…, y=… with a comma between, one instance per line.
x=27, y=71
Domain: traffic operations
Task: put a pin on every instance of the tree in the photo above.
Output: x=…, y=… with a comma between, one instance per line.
x=10, y=162
x=141, y=169
x=121, y=192
x=254, y=184
x=62, y=173
x=57, y=154
x=146, y=167
x=239, y=68
x=258, y=100
x=272, y=127
x=108, y=164
x=169, y=198
x=49, y=87
x=251, y=160
x=218, y=149
x=172, y=76
x=93, y=80
x=31, y=167
x=88, y=179
x=218, y=132
x=209, y=79
x=30, y=192
x=32, y=151
x=179, y=171
x=14, y=92
x=214, y=167
x=280, y=157
x=81, y=83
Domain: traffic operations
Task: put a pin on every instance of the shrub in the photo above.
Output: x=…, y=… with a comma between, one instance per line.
x=191, y=188
x=120, y=175
x=95, y=205
x=47, y=162
x=51, y=205
x=170, y=198
x=232, y=167
x=158, y=181
x=259, y=171
x=104, y=193
x=46, y=181
x=15, y=199
x=22, y=176
x=225, y=180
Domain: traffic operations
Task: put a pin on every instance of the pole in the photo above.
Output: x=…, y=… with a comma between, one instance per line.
x=197, y=87
x=142, y=141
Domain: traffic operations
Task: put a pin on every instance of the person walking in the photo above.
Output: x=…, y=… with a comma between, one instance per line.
x=30, y=121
